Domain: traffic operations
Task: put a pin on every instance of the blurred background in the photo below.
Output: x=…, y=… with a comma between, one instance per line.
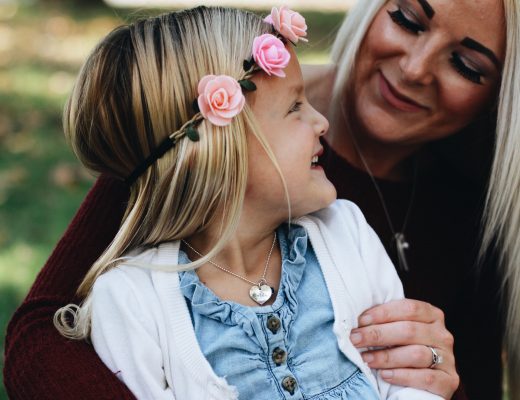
x=42, y=46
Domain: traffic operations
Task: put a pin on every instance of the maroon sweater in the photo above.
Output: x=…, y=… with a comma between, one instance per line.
x=442, y=227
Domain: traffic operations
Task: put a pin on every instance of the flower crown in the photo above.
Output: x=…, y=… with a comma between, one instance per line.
x=220, y=97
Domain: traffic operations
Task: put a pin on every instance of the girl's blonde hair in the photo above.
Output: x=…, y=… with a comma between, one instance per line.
x=501, y=222
x=136, y=88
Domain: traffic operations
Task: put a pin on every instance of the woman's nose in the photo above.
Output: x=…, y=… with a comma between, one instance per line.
x=417, y=66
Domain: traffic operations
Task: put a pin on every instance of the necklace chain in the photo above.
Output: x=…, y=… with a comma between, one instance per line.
x=262, y=279
x=399, y=237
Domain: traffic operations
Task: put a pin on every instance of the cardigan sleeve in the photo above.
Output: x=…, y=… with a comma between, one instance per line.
x=39, y=362
x=385, y=286
x=125, y=335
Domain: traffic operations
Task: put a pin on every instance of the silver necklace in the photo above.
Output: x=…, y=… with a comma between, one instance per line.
x=400, y=240
x=260, y=292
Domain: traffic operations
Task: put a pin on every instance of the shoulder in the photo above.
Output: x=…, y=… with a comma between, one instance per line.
x=319, y=82
x=127, y=280
x=342, y=219
x=339, y=213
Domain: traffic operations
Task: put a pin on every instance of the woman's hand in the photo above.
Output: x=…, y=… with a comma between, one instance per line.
x=408, y=328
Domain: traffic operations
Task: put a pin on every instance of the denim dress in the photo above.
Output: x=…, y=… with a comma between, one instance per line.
x=286, y=350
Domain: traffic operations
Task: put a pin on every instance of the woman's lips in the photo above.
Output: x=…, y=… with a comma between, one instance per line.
x=396, y=99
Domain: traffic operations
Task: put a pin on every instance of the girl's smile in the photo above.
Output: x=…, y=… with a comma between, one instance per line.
x=292, y=128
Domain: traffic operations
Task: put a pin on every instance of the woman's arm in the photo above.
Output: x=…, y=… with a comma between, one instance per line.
x=40, y=363
x=408, y=327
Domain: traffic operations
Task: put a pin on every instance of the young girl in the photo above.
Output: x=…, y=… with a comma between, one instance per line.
x=207, y=292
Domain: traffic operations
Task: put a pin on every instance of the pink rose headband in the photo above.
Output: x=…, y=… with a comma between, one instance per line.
x=220, y=98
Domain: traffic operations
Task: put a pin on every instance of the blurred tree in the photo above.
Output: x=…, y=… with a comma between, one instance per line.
x=75, y=3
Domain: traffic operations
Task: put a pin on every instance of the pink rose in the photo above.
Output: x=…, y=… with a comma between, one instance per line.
x=270, y=54
x=220, y=99
x=290, y=24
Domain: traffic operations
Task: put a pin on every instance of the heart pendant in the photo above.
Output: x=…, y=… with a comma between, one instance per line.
x=260, y=294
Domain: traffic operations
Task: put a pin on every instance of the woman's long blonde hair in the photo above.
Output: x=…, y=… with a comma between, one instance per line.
x=136, y=88
x=501, y=223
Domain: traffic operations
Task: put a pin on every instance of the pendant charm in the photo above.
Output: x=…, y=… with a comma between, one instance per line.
x=260, y=293
x=402, y=245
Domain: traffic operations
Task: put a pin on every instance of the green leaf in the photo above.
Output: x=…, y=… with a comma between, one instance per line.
x=248, y=64
x=192, y=133
x=247, y=85
x=195, y=106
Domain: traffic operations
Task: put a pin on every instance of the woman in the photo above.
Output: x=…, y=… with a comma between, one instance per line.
x=406, y=74
x=414, y=323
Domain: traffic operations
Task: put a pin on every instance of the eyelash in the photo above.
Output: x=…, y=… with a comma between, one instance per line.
x=296, y=107
x=399, y=18
x=462, y=69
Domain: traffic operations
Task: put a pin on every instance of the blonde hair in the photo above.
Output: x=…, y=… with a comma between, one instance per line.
x=501, y=222
x=346, y=46
x=136, y=88
x=502, y=213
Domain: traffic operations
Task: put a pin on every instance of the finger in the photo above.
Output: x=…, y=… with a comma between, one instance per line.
x=399, y=310
x=396, y=334
x=431, y=380
x=414, y=356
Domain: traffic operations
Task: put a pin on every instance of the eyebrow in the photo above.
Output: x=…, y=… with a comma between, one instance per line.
x=474, y=45
x=294, y=90
x=428, y=9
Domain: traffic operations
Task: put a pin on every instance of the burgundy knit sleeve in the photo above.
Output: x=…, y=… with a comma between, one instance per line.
x=39, y=363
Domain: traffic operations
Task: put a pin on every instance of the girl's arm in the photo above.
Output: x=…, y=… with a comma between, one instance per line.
x=125, y=332
x=386, y=288
x=39, y=362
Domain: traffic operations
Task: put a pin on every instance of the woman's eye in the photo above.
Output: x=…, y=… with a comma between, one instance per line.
x=464, y=70
x=399, y=18
x=296, y=107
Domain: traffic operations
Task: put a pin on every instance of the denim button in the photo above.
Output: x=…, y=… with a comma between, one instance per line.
x=273, y=324
x=279, y=356
x=289, y=384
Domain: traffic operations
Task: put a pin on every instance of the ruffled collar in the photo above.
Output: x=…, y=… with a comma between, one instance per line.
x=293, y=243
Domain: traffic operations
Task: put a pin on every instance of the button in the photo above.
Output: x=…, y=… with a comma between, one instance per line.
x=289, y=384
x=273, y=324
x=279, y=356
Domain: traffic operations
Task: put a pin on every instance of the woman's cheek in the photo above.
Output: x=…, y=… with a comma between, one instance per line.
x=463, y=102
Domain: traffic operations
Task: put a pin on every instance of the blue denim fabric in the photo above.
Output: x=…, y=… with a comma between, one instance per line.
x=236, y=340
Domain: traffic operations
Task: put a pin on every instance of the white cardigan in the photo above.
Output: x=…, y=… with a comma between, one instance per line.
x=142, y=329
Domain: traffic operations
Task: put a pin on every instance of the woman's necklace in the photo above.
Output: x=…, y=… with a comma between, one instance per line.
x=260, y=292
x=400, y=240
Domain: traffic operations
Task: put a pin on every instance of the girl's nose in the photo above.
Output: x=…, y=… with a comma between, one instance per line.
x=321, y=124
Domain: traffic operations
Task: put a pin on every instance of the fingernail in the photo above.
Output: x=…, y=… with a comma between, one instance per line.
x=387, y=374
x=365, y=320
x=367, y=357
x=355, y=338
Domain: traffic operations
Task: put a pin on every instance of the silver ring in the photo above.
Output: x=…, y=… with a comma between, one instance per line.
x=436, y=358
